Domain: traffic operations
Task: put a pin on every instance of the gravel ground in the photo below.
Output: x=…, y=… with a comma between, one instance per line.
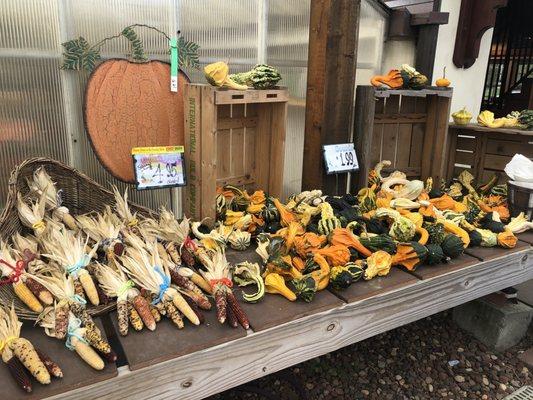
x=428, y=359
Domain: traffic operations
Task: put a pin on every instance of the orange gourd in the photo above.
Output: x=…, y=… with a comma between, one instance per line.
x=336, y=255
x=286, y=217
x=393, y=79
x=344, y=237
x=444, y=202
x=308, y=243
x=507, y=239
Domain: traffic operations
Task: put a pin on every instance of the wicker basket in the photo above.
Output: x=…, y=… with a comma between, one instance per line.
x=81, y=195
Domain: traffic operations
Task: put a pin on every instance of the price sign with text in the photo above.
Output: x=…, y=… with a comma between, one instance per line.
x=340, y=158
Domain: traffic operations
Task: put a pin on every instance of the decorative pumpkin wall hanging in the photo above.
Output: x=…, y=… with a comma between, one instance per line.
x=128, y=103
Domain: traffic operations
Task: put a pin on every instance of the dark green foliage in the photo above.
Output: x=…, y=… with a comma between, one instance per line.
x=188, y=53
x=452, y=246
x=137, y=47
x=78, y=55
x=526, y=118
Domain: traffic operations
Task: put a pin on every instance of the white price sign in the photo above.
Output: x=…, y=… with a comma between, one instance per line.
x=340, y=158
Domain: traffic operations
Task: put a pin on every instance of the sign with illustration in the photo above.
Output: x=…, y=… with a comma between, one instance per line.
x=158, y=167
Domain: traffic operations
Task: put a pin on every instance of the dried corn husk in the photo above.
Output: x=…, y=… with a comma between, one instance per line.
x=32, y=215
x=43, y=186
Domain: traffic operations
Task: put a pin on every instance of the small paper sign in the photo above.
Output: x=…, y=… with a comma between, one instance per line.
x=173, y=65
x=340, y=158
x=158, y=167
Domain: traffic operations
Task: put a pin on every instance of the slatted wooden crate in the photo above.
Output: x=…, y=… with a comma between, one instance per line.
x=407, y=127
x=485, y=151
x=232, y=137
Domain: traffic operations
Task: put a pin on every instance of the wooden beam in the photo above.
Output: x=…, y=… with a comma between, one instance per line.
x=430, y=18
x=204, y=373
x=476, y=16
x=333, y=31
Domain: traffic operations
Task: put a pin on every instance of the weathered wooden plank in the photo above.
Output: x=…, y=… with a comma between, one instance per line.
x=432, y=271
x=364, y=289
x=492, y=161
x=509, y=148
x=229, y=96
x=526, y=237
x=466, y=143
x=237, y=143
x=208, y=153
x=404, y=140
x=331, y=73
x=400, y=118
x=365, y=105
x=277, y=149
x=223, y=138
x=491, y=253
x=192, y=192
x=213, y=370
x=76, y=373
x=479, y=128
x=234, y=123
x=145, y=348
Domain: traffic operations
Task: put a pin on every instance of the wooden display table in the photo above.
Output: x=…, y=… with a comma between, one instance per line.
x=284, y=333
x=485, y=151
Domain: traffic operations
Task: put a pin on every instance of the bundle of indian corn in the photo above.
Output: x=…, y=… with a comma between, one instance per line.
x=314, y=240
x=20, y=356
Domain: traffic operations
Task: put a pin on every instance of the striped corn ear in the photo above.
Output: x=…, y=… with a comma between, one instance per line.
x=51, y=366
x=135, y=319
x=39, y=291
x=232, y=319
x=237, y=310
x=143, y=309
x=122, y=315
x=191, y=289
x=24, y=351
x=61, y=320
x=17, y=371
x=173, y=314
x=27, y=297
x=185, y=308
x=89, y=287
x=195, y=308
x=161, y=308
x=95, y=339
x=220, y=302
x=187, y=257
x=78, y=289
x=87, y=354
x=173, y=253
x=155, y=313
x=80, y=311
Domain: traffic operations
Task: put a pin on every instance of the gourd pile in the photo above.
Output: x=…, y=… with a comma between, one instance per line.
x=315, y=241
x=406, y=77
x=515, y=120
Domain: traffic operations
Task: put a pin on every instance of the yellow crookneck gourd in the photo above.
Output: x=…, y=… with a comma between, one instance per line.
x=217, y=74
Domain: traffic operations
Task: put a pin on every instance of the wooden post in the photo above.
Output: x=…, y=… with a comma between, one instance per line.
x=365, y=106
x=333, y=31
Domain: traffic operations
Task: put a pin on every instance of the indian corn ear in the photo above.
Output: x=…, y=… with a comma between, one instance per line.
x=155, y=314
x=78, y=289
x=232, y=318
x=122, y=315
x=51, y=366
x=17, y=371
x=135, y=319
x=192, y=290
x=184, y=307
x=89, y=287
x=237, y=310
x=61, y=320
x=87, y=353
x=195, y=308
x=221, y=303
x=40, y=291
x=143, y=309
x=80, y=311
x=94, y=338
x=173, y=314
x=27, y=297
x=24, y=351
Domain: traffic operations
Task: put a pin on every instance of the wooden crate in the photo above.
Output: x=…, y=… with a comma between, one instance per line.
x=485, y=151
x=407, y=127
x=232, y=137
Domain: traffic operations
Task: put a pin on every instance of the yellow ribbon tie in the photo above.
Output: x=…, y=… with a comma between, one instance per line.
x=39, y=225
x=133, y=222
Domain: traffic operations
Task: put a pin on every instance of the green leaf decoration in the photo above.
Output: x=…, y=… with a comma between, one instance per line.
x=78, y=55
x=137, y=48
x=188, y=53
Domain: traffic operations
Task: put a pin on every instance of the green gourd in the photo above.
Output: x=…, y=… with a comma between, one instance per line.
x=261, y=76
x=436, y=233
x=452, y=246
x=379, y=242
x=343, y=276
x=435, y=254
x=475, y=238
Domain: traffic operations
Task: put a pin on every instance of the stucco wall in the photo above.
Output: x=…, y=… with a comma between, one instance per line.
x=467, y=83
